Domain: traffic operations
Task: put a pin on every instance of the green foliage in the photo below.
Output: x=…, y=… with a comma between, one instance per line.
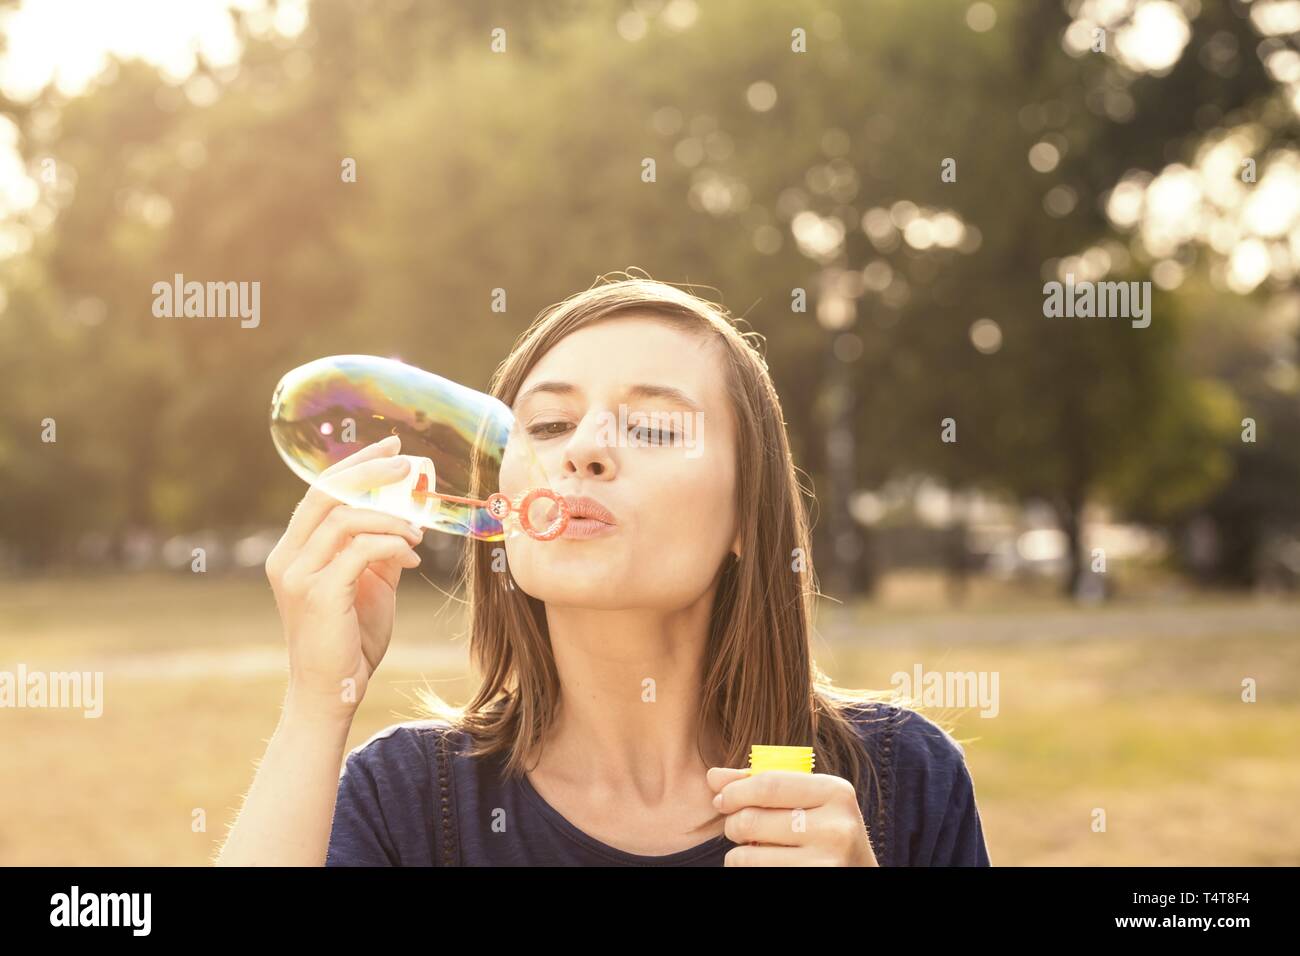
x=522, y=171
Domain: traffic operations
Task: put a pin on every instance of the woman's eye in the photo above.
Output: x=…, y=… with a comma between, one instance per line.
x=547, y=429
x=641, y=434
x=653, y=436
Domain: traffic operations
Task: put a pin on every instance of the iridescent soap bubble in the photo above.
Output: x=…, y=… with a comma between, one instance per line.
x=455, y=437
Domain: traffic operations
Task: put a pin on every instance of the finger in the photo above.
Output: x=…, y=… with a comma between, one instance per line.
x=390, y=572
x=719, y=777
x=383, y=448
x=778, y=788
x=324, y=495
x=341, y=574
x=344, y=523
x=783, y=827
x=771, y=856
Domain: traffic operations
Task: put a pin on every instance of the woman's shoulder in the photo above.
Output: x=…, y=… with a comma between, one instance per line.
x=905, y=738
x=406, y=735
x=930, y=807
x=407, y=745
x=393, y=795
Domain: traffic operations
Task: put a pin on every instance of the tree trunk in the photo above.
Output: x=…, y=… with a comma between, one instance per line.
x=1069, y=513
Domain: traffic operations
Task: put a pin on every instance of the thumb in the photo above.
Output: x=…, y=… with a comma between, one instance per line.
x=719, y=777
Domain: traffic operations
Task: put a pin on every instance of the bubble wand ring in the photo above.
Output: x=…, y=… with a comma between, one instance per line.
x=500, y=507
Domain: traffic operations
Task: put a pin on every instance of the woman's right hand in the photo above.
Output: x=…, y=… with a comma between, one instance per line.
x=334, y=573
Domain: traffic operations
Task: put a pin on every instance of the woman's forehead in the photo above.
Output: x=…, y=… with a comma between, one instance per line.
x=614, y=356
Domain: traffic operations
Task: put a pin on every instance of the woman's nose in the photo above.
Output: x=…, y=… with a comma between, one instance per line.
x=587, y=455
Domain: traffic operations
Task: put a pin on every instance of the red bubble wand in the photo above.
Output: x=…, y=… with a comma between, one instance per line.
x=499, y=506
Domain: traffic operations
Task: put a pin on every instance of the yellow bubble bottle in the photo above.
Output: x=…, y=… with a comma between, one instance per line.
x=767, y=757
x=764, y=757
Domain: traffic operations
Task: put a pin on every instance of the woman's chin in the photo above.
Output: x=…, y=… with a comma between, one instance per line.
x=584, y=594
x=559, y=569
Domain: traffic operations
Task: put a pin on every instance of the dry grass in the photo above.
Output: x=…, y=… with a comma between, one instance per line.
x=1134, y=709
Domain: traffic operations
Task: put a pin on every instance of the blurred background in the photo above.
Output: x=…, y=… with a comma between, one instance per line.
x=881, y=190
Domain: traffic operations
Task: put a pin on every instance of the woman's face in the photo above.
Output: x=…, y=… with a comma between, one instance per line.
x=633, y=414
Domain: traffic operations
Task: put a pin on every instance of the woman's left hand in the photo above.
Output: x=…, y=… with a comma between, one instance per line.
x=783, y=818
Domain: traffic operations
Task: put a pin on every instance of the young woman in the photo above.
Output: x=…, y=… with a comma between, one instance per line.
x=626, y=667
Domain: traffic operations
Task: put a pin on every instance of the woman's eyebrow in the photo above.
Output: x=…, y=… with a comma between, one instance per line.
x=554, y=388
x=643, y=390
x=664, y=391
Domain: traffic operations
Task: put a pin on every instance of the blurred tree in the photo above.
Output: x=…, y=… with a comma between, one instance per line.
x=522, y=171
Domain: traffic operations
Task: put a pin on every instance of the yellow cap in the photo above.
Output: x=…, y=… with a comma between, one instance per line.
x=768, y=757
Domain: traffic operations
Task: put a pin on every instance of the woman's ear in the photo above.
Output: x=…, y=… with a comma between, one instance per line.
x=735, y=547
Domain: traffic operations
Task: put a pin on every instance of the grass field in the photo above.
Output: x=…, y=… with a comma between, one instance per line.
x=1134, y=708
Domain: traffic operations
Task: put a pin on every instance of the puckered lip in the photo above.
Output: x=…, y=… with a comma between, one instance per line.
x=582, y=506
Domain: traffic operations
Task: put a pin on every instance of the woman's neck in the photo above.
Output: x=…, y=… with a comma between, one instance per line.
x=628, y=717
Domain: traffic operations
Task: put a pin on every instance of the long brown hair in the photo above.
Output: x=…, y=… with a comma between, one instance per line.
x=761, y=684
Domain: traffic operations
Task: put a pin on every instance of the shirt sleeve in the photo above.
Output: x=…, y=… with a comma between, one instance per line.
x=383, y=804
x=358, y=836
x=937, y=819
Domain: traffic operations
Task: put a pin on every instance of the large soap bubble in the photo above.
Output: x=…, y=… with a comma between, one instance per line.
x=455, y=437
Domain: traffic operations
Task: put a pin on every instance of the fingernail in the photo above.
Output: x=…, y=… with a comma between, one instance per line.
x=390, y=441
x=717, y=802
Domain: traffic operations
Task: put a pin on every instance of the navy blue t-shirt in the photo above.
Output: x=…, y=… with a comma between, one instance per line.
x=409, y=796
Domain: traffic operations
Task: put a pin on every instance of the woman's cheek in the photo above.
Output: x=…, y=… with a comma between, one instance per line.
x=519, y=474
x=700, y=495
x=505, y=475
x=517, y=560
